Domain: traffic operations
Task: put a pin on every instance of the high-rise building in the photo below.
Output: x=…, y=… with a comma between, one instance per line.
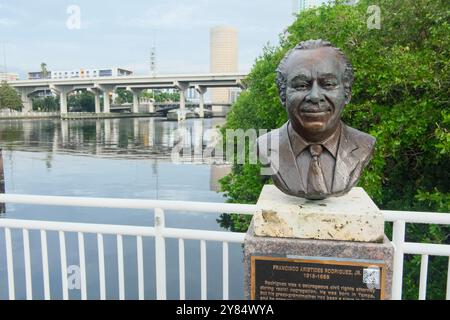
x=223, y=58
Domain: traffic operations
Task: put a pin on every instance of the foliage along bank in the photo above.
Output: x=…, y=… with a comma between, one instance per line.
x=400, y=96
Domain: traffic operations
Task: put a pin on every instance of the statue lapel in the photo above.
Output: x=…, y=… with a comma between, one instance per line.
x=346, y=161
x=288, y=159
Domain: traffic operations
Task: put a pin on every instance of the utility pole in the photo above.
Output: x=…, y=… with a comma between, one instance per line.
x=152, y=61
x=153, y=65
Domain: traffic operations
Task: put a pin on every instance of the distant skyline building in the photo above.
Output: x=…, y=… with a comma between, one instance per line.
x=80, y=73
x=36, y=75
x=8, y=76
x=223, y=58
x=91, y=73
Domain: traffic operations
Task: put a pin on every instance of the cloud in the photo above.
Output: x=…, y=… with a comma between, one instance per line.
x=11, y=15
x=170, y=17
x=13, y=10
x=122, y=34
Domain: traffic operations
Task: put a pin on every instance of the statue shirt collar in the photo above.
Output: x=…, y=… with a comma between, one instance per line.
x=298, y=144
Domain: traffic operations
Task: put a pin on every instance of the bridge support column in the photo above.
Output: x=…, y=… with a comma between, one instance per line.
x=62, y=91
x=97, y=102
x=63, y=102
x=96, y=93
x=182, y=87
x=107, y=90
x=135, y=101
x=201, y=90
x=27, y=104
x=151, y=106
x=136, y=93
x=26, y=100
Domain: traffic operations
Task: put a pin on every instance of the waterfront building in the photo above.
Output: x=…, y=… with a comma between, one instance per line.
x=90, y=73
x=81, y=73
x=8, y=76
x=37, y=75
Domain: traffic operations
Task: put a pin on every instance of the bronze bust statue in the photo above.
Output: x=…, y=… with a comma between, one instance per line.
x=315, y=155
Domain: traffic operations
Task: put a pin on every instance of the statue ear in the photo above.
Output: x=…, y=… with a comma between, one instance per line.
x=283, y=100
x=348, y=97
x=282, y=92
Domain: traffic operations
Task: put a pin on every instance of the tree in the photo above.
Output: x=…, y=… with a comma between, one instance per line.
x=9, y=98
x=124, y=96
x=161, y=96
x=400, y=96
x=44, y=70
x=83, y=101
x=47, y=104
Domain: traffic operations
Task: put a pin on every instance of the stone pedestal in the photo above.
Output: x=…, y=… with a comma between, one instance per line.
x=325, y=250
x=351, y=217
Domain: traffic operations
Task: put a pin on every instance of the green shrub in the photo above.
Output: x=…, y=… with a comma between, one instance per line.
x=400, y=96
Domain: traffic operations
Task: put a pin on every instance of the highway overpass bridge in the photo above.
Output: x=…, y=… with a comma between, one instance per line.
x=105, y=86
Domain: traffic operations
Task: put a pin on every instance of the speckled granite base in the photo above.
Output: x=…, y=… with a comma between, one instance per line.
x=351, y=217
x=285, y=247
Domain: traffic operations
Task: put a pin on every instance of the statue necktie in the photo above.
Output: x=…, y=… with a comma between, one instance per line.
x=316, y=181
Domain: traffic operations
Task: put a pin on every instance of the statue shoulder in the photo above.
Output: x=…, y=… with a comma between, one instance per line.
x=364, y=140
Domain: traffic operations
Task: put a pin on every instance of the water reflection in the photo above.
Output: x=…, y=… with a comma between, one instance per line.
x=133, y=138
x=114, y=158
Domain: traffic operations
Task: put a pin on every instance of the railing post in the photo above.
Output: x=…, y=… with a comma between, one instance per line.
x=225, y=281
x=203, y=271
x=10, y=265
x=160, y=255
x=45, y=269
x=447, y=296
x=423, y=277
x=398, y=238
x=181, y=267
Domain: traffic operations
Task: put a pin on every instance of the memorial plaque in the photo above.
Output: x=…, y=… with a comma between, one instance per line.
x=274, y=278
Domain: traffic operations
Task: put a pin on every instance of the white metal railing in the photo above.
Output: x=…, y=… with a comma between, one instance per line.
x=160, y=233
x=399, y=219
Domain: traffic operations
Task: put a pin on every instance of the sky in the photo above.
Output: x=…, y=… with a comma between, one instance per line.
x=121, y=33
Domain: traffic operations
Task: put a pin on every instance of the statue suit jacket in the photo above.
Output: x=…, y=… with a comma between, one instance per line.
x=354, y=153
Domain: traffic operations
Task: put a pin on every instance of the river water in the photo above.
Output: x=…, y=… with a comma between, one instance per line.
x=114, y=158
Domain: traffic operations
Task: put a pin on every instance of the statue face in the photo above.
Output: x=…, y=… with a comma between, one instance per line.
x=315, y=93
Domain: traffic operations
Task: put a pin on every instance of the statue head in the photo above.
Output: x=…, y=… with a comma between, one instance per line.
x=314, y=80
